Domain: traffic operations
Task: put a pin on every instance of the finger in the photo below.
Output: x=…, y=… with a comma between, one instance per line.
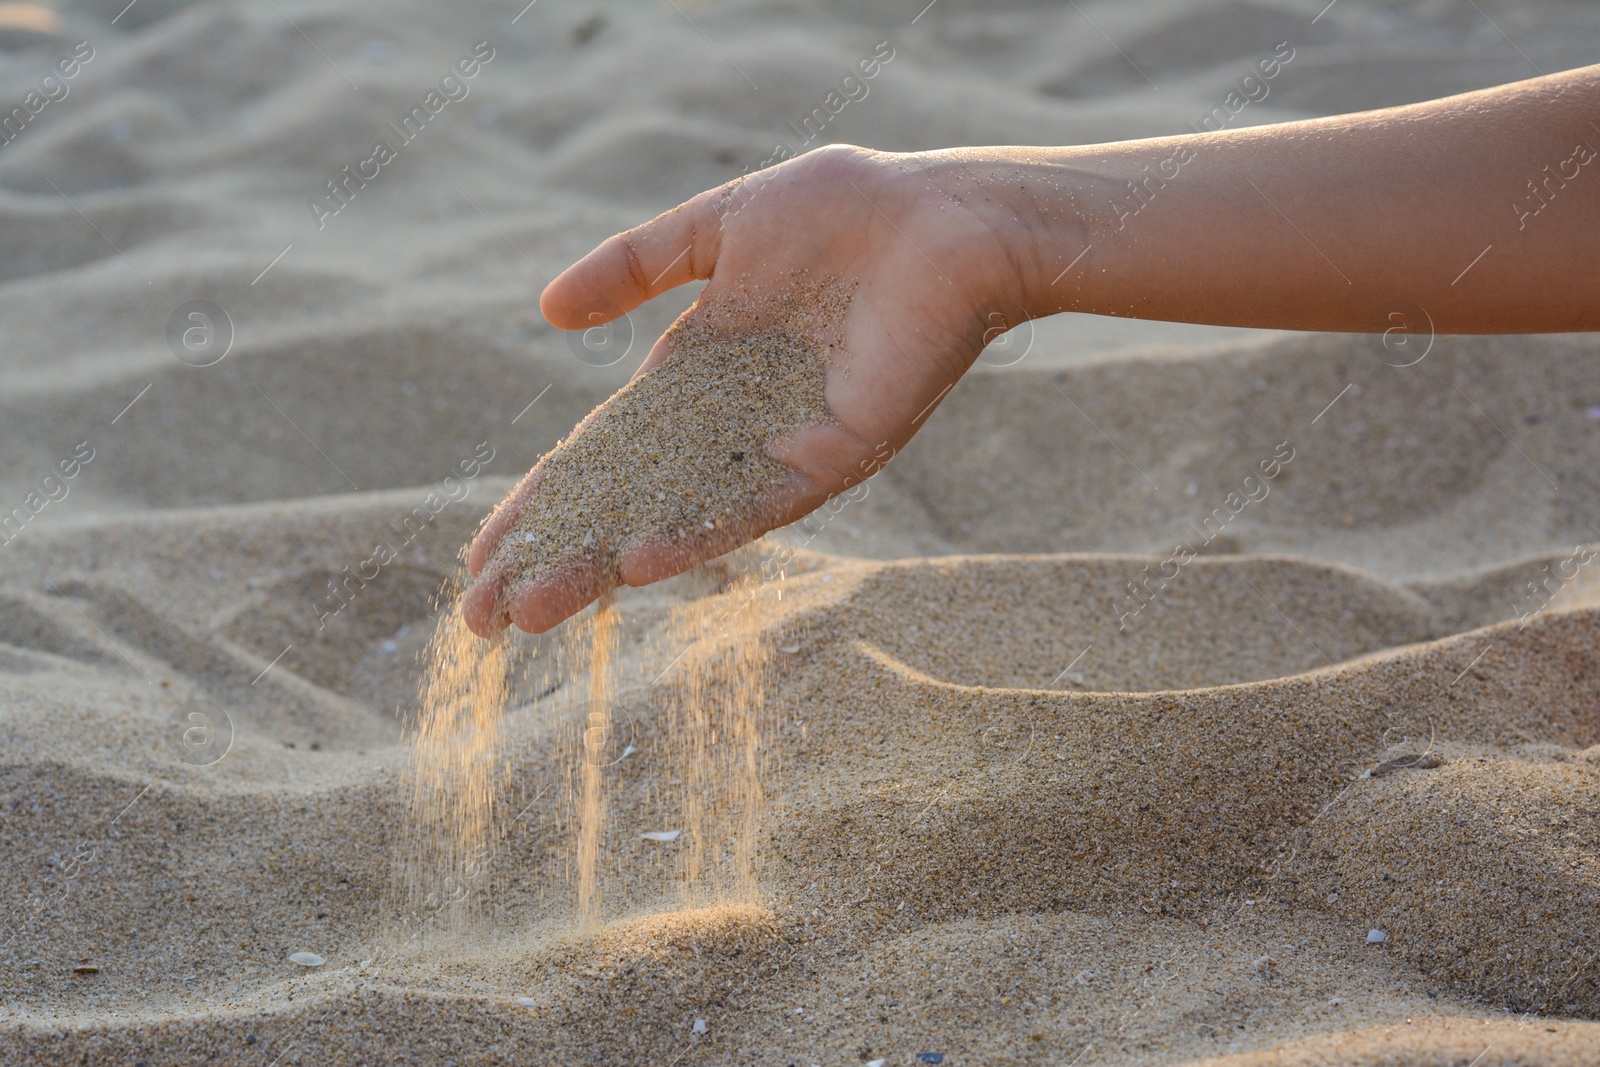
x=537, y=607
x=679, y=246
x=496, y=600
x=492, y=602
x=655, y=560
x=828, y=457
x=501, y=520
x=481, y=608
x=823, y=460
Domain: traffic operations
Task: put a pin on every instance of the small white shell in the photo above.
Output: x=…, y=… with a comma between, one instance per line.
x=661, y=835
x=307, y=959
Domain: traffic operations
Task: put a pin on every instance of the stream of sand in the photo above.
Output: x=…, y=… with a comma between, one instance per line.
x=709, y=703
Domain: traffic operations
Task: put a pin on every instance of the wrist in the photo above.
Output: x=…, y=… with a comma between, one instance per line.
x=1049, y=210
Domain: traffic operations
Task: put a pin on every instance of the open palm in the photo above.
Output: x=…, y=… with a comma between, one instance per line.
x=929, y=277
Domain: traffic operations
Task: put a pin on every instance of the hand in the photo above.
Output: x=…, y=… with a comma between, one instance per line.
x=929, y=263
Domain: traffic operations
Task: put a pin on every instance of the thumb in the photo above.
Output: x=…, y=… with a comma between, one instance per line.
x=678, y=246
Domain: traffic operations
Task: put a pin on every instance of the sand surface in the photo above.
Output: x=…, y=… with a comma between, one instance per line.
x=944, y=786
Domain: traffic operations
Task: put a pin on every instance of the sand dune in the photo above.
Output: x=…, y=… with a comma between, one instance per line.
x=1026, y=788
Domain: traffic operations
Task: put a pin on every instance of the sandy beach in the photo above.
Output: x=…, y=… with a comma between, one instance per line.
x=1180, y=695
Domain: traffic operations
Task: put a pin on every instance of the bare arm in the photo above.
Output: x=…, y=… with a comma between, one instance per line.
x=1483, y=209
x=1475, y=214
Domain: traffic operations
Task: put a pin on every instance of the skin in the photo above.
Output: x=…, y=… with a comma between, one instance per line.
x=1354, y=223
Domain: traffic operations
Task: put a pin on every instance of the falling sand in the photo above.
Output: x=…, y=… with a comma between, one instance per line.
x=592, y=813
x=676, y=455
x=907, y=748
x=710, y=696
x=452, y=775
x=716, y=689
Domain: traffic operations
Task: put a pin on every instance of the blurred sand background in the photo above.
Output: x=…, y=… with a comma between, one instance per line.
x=1325, y=799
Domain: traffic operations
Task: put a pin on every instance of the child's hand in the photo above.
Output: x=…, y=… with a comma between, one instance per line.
x=1341, y=223
x=921, y=246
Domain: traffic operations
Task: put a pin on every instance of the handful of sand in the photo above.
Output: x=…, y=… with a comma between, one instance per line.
x=680, y=452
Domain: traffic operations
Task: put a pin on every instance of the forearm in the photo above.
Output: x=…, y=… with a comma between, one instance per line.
x=1481, y=210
